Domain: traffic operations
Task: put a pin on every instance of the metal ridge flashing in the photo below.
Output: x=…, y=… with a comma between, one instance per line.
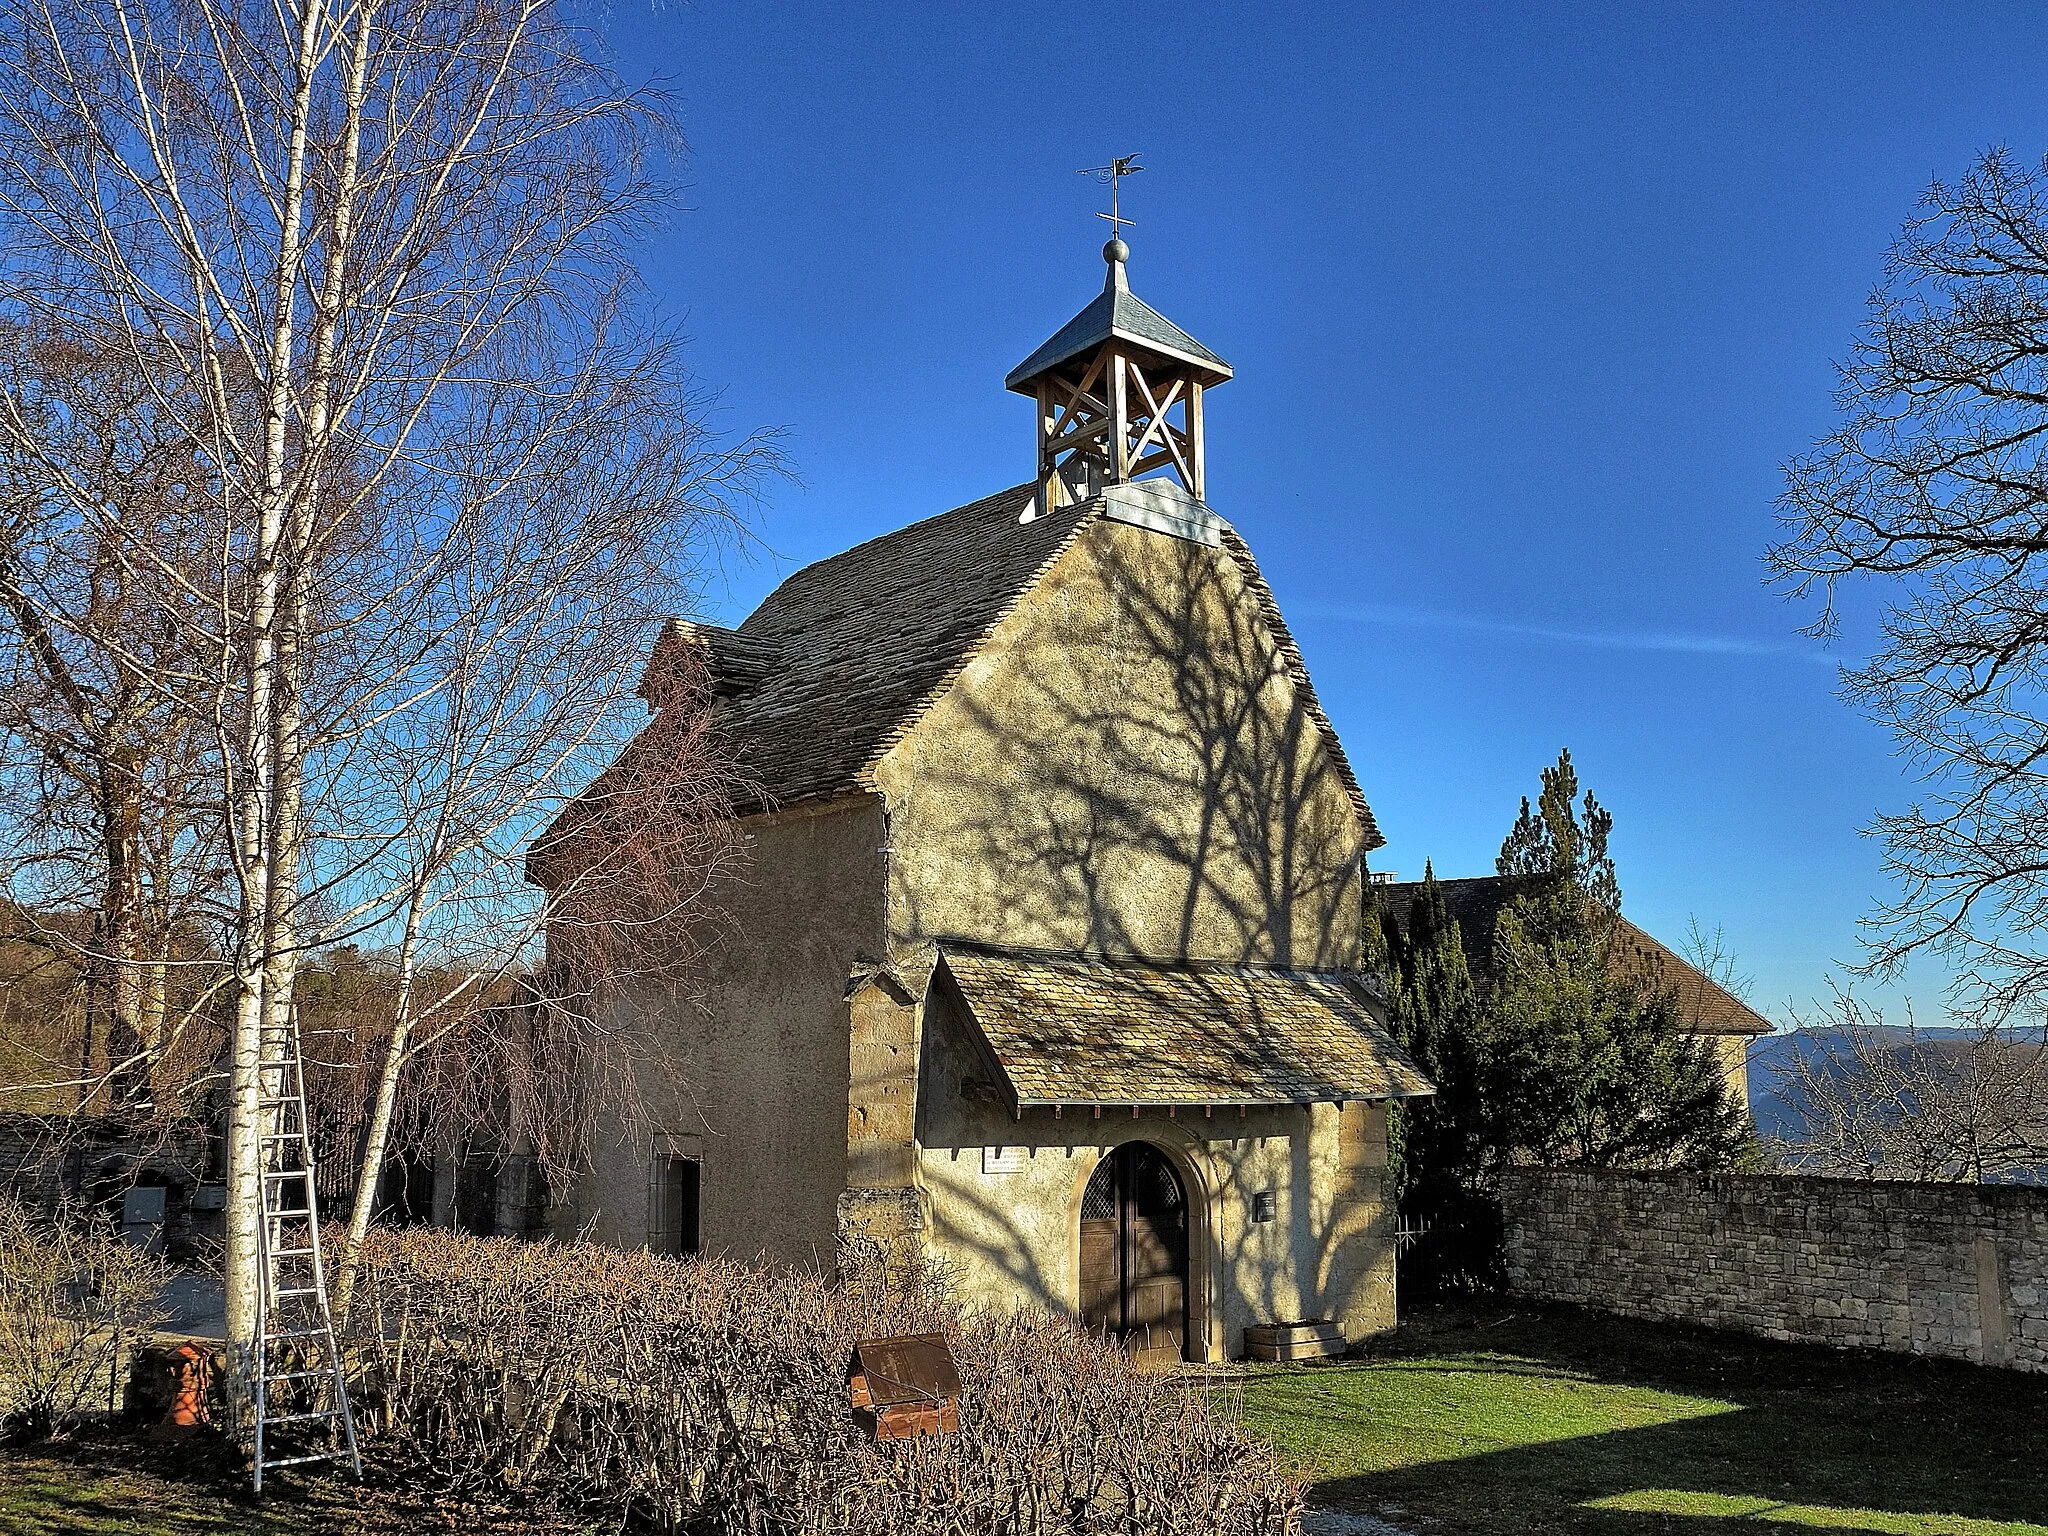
x=1164, y=507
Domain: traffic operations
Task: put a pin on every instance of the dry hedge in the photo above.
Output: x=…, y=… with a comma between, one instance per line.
x=74, y=1299
x=708, y=1397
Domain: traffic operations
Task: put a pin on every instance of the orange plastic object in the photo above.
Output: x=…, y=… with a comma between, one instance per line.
x=191, y=1371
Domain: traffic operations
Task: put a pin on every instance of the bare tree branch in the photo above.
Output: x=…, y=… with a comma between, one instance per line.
x=1937, y=481
x=372, y=264
x=1894, y=1102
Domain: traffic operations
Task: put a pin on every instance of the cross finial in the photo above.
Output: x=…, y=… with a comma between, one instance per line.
x=1109, y=175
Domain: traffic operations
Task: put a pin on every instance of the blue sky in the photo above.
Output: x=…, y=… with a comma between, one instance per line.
x=1527, y=305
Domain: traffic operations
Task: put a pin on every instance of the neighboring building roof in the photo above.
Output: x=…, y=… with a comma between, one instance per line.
x=1707, y=1007
x=846, y=655
x=1082, y=1029
x=1115, y=312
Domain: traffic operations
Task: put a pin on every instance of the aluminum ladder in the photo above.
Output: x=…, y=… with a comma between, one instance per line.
x=295, y=1348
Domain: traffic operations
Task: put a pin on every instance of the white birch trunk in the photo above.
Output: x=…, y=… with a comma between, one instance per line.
x=270, y=805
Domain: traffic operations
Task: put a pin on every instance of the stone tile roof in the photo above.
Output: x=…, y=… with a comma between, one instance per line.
x=1706, y=1007
x=1091, y=1029
x=865, y=640
x=846, y=655
x=733, y=664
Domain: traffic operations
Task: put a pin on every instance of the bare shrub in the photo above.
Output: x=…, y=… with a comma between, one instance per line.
x=73, y=1299
x=1875, y=1101
x=706, y=1396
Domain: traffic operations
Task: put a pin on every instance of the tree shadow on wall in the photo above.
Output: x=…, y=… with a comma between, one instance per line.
x=1143, y=770
x=1764, y=1437
x=994, y=1232
x=1139, y=774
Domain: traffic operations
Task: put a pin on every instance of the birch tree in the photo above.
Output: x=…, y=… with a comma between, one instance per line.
x=462, y=777
x=375, y=259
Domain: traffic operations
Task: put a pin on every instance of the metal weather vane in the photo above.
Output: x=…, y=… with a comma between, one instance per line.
x=1109, y=176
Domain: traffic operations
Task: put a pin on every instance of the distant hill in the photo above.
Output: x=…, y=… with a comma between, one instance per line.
x=1771, y=1055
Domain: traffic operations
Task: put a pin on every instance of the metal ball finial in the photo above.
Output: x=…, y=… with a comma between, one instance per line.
x=1116, y=251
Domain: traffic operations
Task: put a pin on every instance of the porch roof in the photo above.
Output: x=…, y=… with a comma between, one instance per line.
x=1085, y=1029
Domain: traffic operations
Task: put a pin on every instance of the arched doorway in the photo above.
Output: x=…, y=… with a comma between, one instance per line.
x=1134, y=1253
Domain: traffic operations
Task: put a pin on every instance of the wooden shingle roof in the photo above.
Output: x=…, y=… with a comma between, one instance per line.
x=1085, y=1029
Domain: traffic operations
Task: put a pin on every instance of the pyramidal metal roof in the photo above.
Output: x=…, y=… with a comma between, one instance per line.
x=1118, y=312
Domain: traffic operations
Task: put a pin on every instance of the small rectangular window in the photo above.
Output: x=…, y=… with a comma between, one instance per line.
x=476, y=1194
x=678, y=1186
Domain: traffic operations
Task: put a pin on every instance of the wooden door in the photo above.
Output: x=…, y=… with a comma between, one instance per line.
x=1134, y=1253
x=1102, y=1303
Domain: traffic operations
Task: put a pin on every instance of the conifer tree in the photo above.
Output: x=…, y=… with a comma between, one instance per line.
x=1567, y=892
x=1557, y=1053
x=1432, y=1007
x=1581, y=1059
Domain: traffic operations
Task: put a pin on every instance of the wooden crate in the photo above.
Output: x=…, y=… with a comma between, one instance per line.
x=1293, y=1341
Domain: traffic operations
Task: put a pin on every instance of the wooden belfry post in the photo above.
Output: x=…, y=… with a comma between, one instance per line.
x=1119, y=391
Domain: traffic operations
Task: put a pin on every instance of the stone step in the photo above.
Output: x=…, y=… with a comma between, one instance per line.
x=1291, y=1333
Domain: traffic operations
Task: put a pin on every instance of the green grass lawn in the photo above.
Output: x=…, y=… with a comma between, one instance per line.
x=1500, y=1419
x=66, y=1490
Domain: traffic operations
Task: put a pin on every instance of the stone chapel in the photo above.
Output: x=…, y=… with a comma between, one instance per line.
x=1046, y=961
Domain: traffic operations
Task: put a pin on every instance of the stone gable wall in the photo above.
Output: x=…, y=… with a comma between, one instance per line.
x=1127, y=766
x=761, y=1052
x=1957, y=1270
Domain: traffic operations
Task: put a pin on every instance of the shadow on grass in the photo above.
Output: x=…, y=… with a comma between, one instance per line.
x=1497, y=1420
x=111, y=1481
x=103, y=1481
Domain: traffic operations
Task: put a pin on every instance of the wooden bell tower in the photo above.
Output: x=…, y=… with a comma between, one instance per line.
x=1119, y=391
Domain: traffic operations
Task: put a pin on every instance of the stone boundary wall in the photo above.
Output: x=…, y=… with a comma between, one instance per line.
x=1958, y=1270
